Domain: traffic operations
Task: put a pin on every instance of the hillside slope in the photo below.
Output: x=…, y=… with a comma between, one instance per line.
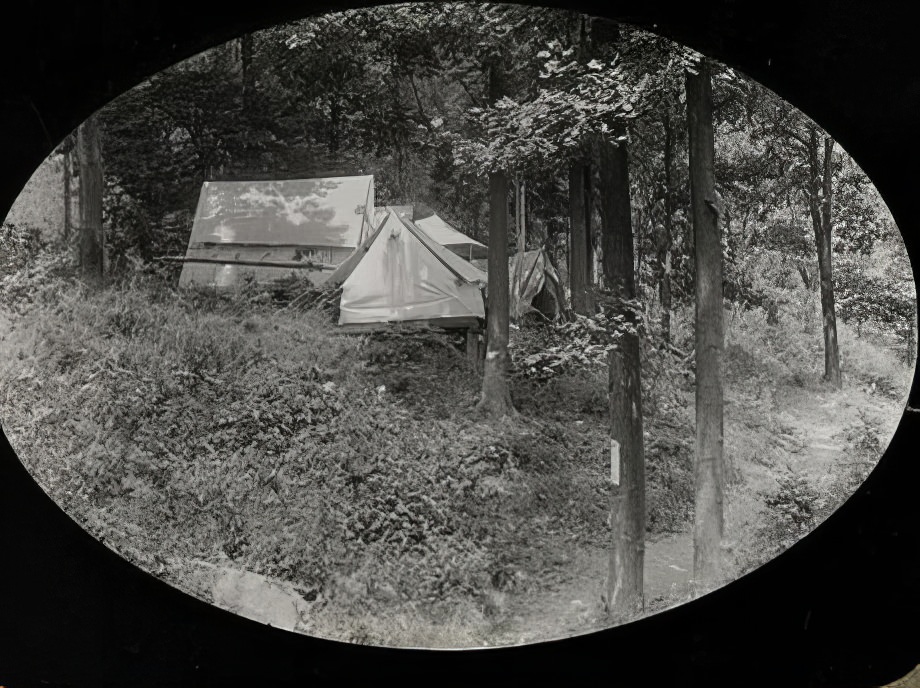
x=201, y=438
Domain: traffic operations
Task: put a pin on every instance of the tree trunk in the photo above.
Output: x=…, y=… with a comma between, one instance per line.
x=246, y=69
x=911, y=340
x=91, y=234
x=578, y=252
x=820, y=203
x=68, y=166
x=705, y=205
x=664, y=251
x=589, y=233
x=521, y=240
x=804, y=274
x=333, y=127
x=624, y=588
x=518, y=276
x=496, y=395
x=473, y=348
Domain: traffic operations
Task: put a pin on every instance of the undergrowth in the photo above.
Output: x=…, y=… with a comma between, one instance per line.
x=235, y=429
x=228, y=428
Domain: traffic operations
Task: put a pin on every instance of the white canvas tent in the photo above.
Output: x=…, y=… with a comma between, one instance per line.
x=399, y=274
x=437, y=228
x=534, y=284
x=270, y=229
x=449, y=237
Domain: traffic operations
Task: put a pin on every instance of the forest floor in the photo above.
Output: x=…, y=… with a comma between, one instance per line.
x=216, y=447
x=814, y=446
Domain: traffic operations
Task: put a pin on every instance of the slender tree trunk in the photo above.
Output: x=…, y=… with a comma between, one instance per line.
x=514, y=275
x=589, y=232
x=91, y=234
x=246, y=69
x=820, y=202
x=522, y=232
x=579, y=207
x=333, y=127
x=705, y=204
x=578, y=252
x=911, y=340
x=496, y=394
x=804, y=274
x=624, y=589
x=521, y=241
x=68, y=163
x=664, y=253
x=517, y=276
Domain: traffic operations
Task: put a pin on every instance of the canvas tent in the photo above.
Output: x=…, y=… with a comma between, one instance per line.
x=400, y=274
x=269, y=229
x=436, y=228
x=534, y=284
x=449, y=237
x=380, y=214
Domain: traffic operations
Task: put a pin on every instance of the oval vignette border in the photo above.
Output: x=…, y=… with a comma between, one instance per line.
x=728, y=33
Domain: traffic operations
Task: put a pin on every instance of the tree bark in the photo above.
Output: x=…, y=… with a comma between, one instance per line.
x=589, y=232
x=68, y=172
x=91, y=233
x=496, y=394
x=911, y=340
x=624, y=588
x=664, y=251
x=473, y=348
x=522, y=231
x=246, y=69
x=518, y=276
x=580, y=260
x=805, y=275
x=705, y=205
x=820, y=203
x=582, y=303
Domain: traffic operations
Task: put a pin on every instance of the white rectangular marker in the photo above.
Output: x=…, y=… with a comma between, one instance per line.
x=614, y=462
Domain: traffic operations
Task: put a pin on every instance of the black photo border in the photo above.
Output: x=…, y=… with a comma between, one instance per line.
x=836, y=610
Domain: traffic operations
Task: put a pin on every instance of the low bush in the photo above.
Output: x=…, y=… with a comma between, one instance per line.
x=189, y=424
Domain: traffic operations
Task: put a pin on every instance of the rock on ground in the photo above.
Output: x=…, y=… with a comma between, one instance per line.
x=258, y=598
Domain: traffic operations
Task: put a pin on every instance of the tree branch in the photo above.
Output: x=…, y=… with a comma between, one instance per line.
x=798, y=137
x=476, y=101
x=418, y=101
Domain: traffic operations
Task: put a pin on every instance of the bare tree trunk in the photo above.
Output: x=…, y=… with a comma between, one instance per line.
x=496, y=394
x=909, y=349
x=68, y=172
x=518, y=275
x=820, y=204
x=589, y=232
x=473, y=349
x=522, y=231
x=246, y=68
x=706, y=209
x=664, y=251
x=91, y=234
x=578, y=253
x=624, y=589
x=804, y=274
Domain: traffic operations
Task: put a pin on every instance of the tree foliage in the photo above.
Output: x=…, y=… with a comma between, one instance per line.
x=401, y=92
